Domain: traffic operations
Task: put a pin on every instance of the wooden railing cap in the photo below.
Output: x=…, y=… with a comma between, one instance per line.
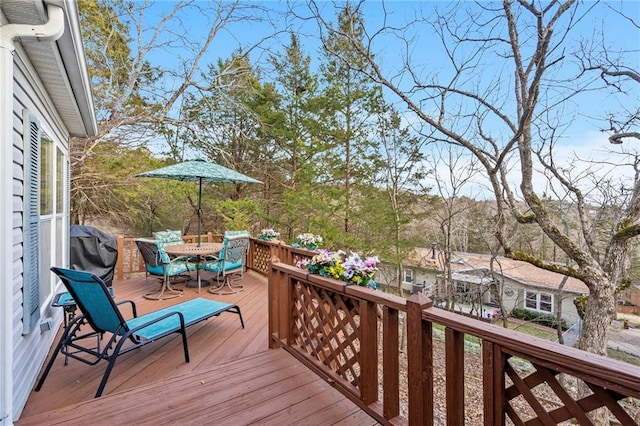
x=421, y=300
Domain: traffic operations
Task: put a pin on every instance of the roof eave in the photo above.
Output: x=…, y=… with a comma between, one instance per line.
x=61, y=64
x=72, y=52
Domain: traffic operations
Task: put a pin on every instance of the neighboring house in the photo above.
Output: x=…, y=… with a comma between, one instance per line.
x=629, y=300
x=515, y=283
x=418, y=273
x=476, y=290
x=45, y=99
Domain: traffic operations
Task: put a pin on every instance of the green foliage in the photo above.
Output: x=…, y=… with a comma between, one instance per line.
x=548, y=320
x=350, y=100
x=624, y=284
x=236, y=215
x=110, y=59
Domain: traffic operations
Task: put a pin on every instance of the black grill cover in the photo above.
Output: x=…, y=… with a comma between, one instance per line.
x=94, y=251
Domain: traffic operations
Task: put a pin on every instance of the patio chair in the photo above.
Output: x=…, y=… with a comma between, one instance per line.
x=101, y=314
x=158, y=263
x=172, y=238
x=229, y=265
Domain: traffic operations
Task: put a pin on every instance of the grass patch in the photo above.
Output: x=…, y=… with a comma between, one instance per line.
x=468, y=338
x=537, y=331
x=623, y=356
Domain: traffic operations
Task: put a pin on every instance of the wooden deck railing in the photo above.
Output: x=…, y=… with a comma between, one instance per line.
x=261, y=254
x=344, y=333
x=351, y=336
x=130, y=261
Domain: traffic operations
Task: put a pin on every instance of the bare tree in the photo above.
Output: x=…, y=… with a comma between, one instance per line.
x=138, y=97
x=508, y=115
x=452, y=173
x=597, y=57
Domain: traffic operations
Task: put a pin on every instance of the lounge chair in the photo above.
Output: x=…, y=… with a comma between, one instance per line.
x=101, y=315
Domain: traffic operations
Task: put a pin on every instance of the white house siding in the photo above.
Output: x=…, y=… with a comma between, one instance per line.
x=569, y=311
x=29, y=351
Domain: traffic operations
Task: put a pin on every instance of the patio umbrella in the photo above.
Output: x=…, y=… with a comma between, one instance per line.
x=199, y=171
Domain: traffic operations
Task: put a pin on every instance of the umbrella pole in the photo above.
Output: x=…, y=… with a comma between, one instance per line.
x=199, y=208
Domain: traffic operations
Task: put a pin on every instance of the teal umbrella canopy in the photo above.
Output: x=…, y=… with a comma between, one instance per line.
x=199, y=171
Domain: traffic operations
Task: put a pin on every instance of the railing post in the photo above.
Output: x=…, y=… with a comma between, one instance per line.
x=493, y=384
x=419, y=362
x=279, y=307
x=281, y=251
x=391, y=363
x=275, y=277
x=368, y=352
x=120, y=260
x=454, y=356
x=252, y=253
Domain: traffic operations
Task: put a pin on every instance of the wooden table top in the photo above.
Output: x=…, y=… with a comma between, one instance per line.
x=190, y=249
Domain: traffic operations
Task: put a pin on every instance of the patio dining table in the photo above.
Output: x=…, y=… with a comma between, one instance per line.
x=200, y=251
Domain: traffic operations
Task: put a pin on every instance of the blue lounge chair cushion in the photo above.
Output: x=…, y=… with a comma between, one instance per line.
x=193, y=311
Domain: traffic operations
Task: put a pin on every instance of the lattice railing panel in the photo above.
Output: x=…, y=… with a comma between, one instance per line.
x=296, y=257
x=550, y=398
x=325, y=326
x=262, y=258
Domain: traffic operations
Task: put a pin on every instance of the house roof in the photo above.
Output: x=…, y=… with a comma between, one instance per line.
x=517, y=270
x=61, y=64
x=423, y=258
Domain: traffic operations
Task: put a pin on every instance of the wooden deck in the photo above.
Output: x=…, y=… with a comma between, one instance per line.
x=232, y=379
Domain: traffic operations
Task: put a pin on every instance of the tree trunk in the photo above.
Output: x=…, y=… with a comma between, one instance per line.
x=600, y=306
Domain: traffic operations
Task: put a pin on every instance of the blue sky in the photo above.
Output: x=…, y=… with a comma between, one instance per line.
x=581, y=116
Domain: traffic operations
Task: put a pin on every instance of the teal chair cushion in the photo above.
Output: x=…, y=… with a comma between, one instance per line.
x=155, y=270
x=215, y=266
x=172, y=269
x=168, y=237
x=177, y=268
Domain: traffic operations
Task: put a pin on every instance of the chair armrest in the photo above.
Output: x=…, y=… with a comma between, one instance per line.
x=179, y=259
x=133, y=306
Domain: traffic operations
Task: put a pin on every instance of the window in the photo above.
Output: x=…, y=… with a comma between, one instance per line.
x=407, y=276
x=461, y=287
x=542, y=302
x=45, y=218
x=60, y=181
x=53, y=185
x=47, y=184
